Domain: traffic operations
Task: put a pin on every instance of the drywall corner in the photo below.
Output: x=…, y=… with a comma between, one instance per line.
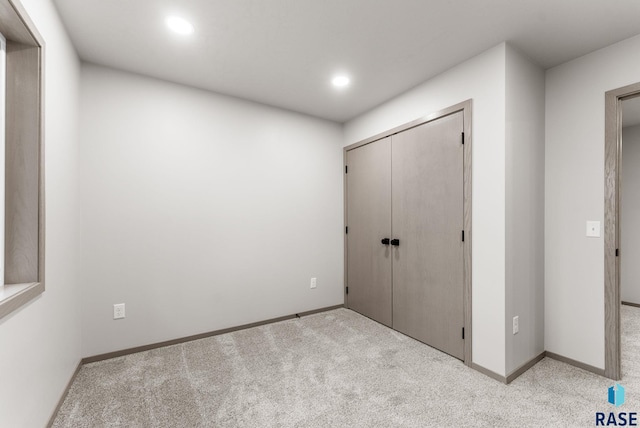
x=524, y=204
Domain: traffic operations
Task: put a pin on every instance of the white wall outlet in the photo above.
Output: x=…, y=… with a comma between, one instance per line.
x=313, y=283
x=516, y=328
x=118, y=311
x=593, y=229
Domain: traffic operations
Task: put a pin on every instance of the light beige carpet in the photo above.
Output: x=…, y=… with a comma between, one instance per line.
x=334, y=369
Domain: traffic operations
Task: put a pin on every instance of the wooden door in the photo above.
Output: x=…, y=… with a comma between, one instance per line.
x=369, y=222
x=427, y=201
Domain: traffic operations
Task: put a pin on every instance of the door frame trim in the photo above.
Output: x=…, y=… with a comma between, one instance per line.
x=465, y=108
x=612, y=170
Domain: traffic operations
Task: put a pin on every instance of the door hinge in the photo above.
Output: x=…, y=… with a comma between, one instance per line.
x=347, y=290
x=462, y=333
x=346, y=230
x=463, y=236
x=346, y=169
x=617, y=252
x=463, y=138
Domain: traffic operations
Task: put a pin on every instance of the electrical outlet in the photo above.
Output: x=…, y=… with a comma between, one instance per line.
x=313, y=283
x=118, y=311
x=516, y=328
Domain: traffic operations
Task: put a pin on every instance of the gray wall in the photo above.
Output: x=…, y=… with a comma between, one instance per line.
x=524, y=209
x=630, y=215
x=201, y=211
x=508, y=225
x=481, y=78
x=40, y=343
x=574, y=193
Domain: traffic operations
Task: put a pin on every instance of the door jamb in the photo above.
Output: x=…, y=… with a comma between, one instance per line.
x=612, y=169
x=465, y=107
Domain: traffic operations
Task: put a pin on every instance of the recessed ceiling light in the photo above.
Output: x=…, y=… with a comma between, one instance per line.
x=179, y=25
x=340, y=81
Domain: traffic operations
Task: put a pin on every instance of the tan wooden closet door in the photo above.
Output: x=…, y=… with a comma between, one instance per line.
x=369, y=221
x=427, y=201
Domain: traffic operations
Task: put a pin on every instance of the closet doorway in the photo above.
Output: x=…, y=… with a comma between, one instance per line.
x=408, y=229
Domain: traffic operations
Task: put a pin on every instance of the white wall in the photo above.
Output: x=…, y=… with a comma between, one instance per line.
x=574, y=193
x=524, y=209
x=40, y=343
x=482, y=79
x=630, y=215
x=201, y=211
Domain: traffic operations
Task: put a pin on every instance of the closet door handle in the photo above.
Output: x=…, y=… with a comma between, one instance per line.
x=395, y=242
x=385, y=241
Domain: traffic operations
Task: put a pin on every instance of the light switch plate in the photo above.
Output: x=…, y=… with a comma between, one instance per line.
x=593, y=229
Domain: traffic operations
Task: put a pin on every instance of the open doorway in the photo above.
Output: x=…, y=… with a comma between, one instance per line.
x=630, y=236
x=630, y=204
x=616, y=101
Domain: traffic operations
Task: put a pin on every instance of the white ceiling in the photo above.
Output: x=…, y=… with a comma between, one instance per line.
x=284, y=52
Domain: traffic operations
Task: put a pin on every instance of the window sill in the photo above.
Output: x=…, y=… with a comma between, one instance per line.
x=14, y=296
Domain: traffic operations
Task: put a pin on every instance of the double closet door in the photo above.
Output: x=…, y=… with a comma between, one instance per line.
x=405, y=203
